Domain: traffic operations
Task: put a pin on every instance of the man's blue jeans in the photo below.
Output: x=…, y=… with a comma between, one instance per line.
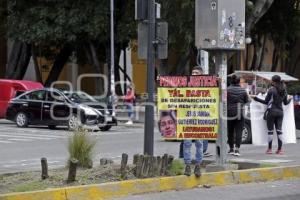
x=187, y=155
x=129, y=107
x=205, y=145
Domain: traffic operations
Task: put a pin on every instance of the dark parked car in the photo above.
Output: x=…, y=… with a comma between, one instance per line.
x=51, y=107
x=86, y=99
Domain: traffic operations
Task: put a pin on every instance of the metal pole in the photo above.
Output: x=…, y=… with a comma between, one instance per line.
x=255, y=83
x=112, y=57
x=221, y=63
x=125, y=69
x=149, y=115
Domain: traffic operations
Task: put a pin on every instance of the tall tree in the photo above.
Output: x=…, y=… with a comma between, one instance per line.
x=281, y=25
x=63, y=26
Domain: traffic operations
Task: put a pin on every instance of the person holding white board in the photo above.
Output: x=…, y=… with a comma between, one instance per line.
x=274, y=114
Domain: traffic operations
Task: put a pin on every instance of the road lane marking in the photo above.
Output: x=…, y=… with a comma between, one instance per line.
x=34, y=135
x=25, y=137
x=19, y=139
x=5, y=142
x=39, y=131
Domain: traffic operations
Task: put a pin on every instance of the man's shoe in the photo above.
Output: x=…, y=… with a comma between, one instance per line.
x=187, y=170
x=231, y=152
x=269, y=151
x=237, y=152
x=279, y=152
x=197, y=170
x=129, y=122
x=207, y=154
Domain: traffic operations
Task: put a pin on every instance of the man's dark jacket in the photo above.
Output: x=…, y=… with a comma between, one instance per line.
x=237, y=97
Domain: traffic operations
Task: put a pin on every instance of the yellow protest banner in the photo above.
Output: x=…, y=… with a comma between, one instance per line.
x=188, y=107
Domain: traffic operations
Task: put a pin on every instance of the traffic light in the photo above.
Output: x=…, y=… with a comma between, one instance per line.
x=141, y=9
x=161, y=31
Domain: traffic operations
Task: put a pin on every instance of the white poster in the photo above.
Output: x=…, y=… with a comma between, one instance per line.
x=259, y=125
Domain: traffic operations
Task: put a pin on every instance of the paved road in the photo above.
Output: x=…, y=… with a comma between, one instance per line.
x=279, y=190
x=22, y=148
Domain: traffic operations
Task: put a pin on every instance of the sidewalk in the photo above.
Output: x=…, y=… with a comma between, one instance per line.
x=288, y=167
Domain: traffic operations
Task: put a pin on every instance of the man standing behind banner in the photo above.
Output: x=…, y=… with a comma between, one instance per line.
x=187, y=144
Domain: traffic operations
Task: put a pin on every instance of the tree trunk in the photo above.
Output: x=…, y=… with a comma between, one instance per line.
x=58, y=65
x=258, y=51
x=296, y=63
x=18, y=60
x=254, y=56
x=262, y=57
x=163, y=67
x=23, y=62
x=293, y=57
x=97, y=68
x=260, y=8
x=247, y=56
x=181, y=64
x=275, y=58
x=36, y=66
x=13, y=59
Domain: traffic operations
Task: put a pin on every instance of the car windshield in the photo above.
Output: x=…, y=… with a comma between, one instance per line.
x=80, y=97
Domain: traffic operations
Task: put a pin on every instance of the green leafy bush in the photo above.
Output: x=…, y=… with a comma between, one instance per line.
x=176, y=168
x=81, y=148
x=293, y=88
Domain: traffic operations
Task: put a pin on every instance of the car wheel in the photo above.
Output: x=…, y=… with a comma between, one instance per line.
x=246, y=134
x=52, y=127
x=73, y=123
x=105, y=128
x=21, y=120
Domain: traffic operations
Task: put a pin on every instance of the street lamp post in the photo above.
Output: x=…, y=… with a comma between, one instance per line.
x=112, y=58
x=149, y=111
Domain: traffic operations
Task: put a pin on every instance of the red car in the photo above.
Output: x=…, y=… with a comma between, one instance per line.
x=11, y=88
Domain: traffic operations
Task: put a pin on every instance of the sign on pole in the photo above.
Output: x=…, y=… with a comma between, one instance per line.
x=188, y=107
x=220, y=24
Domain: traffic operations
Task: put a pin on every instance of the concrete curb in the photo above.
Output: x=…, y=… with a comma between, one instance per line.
x=139, y=186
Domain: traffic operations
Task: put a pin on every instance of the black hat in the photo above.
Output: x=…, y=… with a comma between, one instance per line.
x=276, y=78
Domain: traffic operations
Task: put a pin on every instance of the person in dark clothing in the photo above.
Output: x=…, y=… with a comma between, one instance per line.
x=237, y=97
x=275, y=97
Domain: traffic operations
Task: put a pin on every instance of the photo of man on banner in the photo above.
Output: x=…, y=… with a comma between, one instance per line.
x=167, y=123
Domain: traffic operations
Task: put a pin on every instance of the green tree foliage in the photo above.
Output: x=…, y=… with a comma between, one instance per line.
x=61, y=26
x=58, y=27
x=54, y=22
x=180, y=15
x=281, y=24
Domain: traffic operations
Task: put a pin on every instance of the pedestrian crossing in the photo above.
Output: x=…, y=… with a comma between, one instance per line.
x=16, y=135
x=12, y=134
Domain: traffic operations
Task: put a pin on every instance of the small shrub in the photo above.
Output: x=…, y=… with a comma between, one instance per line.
x=81, y=148
x=176, y=167
x=35, y=185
